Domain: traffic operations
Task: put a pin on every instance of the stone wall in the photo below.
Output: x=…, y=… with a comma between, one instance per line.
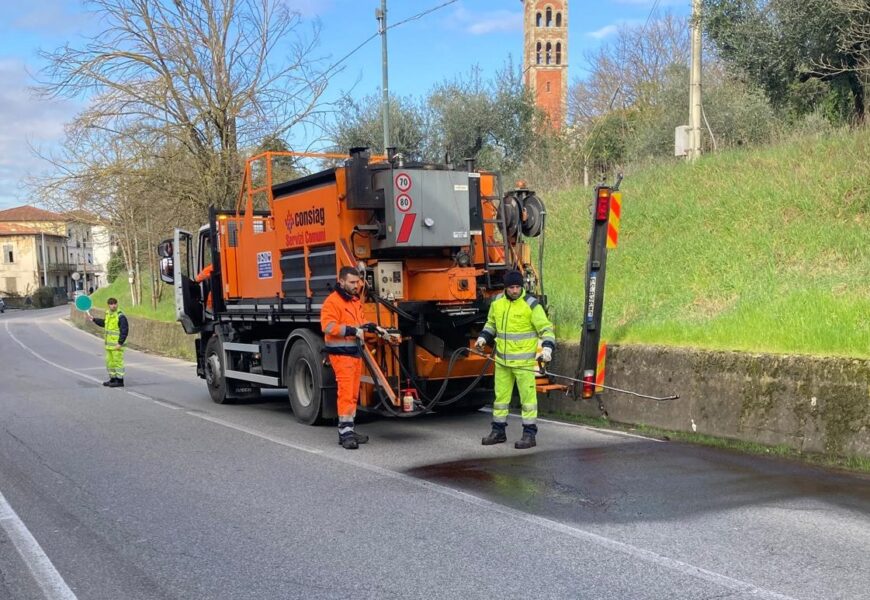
x=158, y=337
x=810, y=404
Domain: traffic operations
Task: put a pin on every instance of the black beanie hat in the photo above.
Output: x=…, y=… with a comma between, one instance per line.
x=513, y=278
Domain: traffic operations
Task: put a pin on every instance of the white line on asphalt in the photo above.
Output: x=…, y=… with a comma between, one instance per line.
x=38, y=563
x=43, y=359
x=166, y=404
x=253, y=432
x=138, y=395
x=648, y=556
x=589, y=427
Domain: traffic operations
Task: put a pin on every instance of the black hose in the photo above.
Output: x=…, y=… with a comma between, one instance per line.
x=436, y=400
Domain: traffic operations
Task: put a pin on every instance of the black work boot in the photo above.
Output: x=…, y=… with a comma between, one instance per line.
x=117, y=382
x=360, y=438
x=496, y=436
x=109, y=382
x=528, y=439
x=348, y=442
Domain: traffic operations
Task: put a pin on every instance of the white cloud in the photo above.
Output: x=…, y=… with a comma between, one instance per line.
x=483, y=23
x=27, y=122
x=604, y=32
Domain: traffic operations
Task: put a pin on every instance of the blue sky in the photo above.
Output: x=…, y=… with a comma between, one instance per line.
x=442, y=45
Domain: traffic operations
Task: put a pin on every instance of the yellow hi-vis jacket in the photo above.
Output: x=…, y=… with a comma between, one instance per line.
x=516, y=326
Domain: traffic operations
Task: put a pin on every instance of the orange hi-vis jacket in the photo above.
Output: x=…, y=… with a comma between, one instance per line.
x=340, y=316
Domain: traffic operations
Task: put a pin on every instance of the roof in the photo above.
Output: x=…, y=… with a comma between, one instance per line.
x=14, y=229
x=30, y=213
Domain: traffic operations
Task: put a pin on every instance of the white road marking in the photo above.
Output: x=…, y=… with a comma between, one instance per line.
x=138, y=395
x=166, y=404
x=253, y=432
x=38, y=563
x=45, y=360
x=588, y=427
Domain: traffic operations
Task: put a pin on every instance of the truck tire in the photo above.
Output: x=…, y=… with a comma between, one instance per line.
x=303, y=375
x=214, y=371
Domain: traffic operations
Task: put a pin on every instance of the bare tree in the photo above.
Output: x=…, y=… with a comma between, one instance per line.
x=631, y=70
x=207, y=77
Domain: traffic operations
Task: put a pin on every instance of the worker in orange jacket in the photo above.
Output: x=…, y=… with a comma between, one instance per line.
x=341, y=319
x=205, y=275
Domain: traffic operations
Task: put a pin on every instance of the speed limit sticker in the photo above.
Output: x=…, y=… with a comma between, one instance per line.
x=403, y=182
x=404, y=202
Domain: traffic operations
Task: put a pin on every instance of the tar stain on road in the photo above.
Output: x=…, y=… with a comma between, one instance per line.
x=646, y=480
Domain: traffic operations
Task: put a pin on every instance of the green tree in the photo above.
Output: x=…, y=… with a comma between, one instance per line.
x=789, y=48
x=360, y=123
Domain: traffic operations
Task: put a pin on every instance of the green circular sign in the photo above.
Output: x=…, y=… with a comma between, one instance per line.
x=83, y=303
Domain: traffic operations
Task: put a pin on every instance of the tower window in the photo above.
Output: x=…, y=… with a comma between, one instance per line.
x=538, y=54
x=548, y=87
x=538, y=20
x=558, y=19
x=549, y=17
x=549, y=53
x=558, y=53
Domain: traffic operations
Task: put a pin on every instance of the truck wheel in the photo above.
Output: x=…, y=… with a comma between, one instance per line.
x=303, y=375
x=214, y=371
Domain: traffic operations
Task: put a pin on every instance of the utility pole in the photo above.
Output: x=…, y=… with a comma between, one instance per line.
x=695, y=85
x=381, y=16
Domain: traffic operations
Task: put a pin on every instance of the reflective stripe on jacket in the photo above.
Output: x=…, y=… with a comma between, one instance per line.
x=340, y=315
x=516, y=326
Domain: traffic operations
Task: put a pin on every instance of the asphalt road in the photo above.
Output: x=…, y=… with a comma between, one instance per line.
x=155, y=492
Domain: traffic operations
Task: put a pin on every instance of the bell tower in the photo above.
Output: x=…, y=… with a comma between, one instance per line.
x=545, y=56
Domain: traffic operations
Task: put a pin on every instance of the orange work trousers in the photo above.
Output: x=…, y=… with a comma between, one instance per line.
x=348, y=370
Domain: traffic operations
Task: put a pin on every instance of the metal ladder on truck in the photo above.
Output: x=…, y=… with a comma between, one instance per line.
x=500, y=223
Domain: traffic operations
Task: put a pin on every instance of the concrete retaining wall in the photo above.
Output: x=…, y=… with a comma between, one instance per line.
x=158, y=337
x=809, y=404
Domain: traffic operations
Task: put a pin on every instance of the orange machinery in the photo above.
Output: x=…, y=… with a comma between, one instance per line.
x=431, y=242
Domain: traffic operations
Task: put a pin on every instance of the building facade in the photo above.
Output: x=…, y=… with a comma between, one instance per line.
x=32, y=259
x=545, y=56
x=42, y=247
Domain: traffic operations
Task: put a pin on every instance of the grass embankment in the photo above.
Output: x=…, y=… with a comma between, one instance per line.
x=120, y=289
x=759, y=250
x=762, y=250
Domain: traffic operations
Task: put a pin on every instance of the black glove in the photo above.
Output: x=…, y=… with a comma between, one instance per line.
x=370, y=327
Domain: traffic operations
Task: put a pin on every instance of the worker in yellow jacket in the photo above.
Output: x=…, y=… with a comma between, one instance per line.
x=516, y=323
x=117, y=329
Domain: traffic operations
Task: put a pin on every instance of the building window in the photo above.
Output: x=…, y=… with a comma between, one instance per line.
x=558, y=19
x=549, y=52
x=538, y=54
x=57, y=281
x=548, y=87
x=549, y=17
x=538, y=20
x=11, y=285
x=558, y=53
x=8, y=254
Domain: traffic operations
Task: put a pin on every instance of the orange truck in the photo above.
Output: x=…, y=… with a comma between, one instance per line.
x=431, y=242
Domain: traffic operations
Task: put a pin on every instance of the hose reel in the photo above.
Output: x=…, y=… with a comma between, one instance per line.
x=522, y=211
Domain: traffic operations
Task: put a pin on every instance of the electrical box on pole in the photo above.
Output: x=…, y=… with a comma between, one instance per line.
x=606, y=211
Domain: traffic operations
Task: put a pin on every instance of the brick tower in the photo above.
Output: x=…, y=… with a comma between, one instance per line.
x=545, y=56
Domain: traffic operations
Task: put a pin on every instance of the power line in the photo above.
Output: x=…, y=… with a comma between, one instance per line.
x=419, y=15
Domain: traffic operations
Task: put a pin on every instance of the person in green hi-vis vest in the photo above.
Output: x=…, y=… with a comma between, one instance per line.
x=117, y=328
x=516, y=323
